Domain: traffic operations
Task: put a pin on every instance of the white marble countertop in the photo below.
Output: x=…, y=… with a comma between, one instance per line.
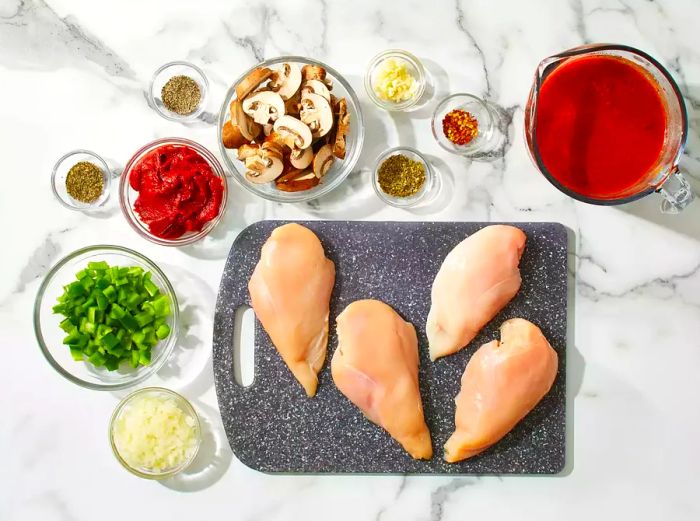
x=73, y=75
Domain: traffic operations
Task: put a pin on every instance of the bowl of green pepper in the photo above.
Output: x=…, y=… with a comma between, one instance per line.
x=106, y=317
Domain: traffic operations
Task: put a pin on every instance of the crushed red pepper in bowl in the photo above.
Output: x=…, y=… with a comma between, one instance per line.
x=460, y=127
x=174, y=192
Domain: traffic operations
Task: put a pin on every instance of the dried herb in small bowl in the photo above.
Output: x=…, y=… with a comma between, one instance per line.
x=85, y=182
x=181, y=94
x=401, y=176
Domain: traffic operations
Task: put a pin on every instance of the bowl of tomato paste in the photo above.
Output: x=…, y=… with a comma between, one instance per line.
x=173, y=191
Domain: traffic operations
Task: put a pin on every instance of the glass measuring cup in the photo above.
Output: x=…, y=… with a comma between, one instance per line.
x=664, y=176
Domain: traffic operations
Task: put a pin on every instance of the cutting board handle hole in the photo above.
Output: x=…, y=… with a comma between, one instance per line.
x=244, y=346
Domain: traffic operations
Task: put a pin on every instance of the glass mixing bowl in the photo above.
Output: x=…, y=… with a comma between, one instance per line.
x=50, y=336
x=340, y=168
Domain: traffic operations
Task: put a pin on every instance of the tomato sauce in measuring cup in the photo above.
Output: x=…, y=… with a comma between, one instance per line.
x=600, y=125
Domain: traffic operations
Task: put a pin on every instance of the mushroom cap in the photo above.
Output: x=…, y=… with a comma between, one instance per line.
x=286, y=83
x=267, y=169
x=248, y=150
x=343, y=128
x=317, y=114
x=313, y=72
x=301, y=158
x=247, y=126
x=315, y=87
x=295, y=133
x=252, y=80
x=273, y=148
x=264, y=106
x=323, y=160
x=231, y=135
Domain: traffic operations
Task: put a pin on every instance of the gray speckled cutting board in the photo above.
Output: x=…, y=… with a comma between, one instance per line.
x=273, y=427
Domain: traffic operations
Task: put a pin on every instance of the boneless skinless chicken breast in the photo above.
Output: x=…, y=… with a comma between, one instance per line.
x=501, y=384
x=376, y=367
x=290, y=291
x=476, y=280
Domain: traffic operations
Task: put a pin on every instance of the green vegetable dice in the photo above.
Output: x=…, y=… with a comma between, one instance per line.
x=113, y=315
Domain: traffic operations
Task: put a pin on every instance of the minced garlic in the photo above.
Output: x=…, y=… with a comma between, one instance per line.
x=394, y=81
x=154, y=433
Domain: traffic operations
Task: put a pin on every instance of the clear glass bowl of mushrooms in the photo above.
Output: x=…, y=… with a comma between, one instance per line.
x=290, y=129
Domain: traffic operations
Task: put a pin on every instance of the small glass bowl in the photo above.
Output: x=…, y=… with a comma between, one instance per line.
x=404, y=202
x=127, y=195
x=183, y=404
x=339, y=170
x=485, y=118
x=60, y=172
x=416, y=69
x=161, y=77
x=50, y=336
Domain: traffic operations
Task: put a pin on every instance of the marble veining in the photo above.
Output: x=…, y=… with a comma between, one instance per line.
x=74, y=75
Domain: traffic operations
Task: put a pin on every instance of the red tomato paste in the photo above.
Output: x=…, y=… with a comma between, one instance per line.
x=178, y=190
x=601, y=125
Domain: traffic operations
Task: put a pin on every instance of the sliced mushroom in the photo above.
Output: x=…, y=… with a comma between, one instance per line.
x=246, y=151
x=293, y=132
x=267, y=129
x=264, y=106
x=291, y=174
x=343, y=128
x=286, y=83
x=252, y=81
x=291, y=106
x=272, y=148
x=298, y=185
x=323, y=161
x=301, y=158
x=316, y=113
x=315, y=87
x=231, y=136
x=247, y=126
x=313, y=72
x=263, y=167
x=279, y=139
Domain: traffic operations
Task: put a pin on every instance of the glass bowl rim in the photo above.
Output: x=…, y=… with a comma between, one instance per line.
x=461, y=150
x=391, y=201
x=124, y=187
x=389, y=105
x=102, y=163
x=348, y=163
x=181, y=401
x=170, y=115
x=138, y=377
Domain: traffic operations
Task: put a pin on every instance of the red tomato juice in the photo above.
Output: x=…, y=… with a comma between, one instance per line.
x=601, y=125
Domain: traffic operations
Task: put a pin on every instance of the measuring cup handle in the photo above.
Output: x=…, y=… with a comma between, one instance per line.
x=676, y=193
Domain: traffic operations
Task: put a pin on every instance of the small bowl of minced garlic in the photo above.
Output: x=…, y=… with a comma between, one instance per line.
x=395, y=80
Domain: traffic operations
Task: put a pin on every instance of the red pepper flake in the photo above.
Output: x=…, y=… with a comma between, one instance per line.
x=460, y=127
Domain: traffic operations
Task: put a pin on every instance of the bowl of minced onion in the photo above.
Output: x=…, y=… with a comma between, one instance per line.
x=155, y=433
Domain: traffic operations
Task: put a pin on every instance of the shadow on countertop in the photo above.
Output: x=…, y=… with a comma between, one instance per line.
x=212, y=460
x=648, y=208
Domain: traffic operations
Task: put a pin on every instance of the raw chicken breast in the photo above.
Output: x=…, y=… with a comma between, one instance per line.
x=376, y=367
x=290, y=290
x=476, y=280
x=502, y=383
